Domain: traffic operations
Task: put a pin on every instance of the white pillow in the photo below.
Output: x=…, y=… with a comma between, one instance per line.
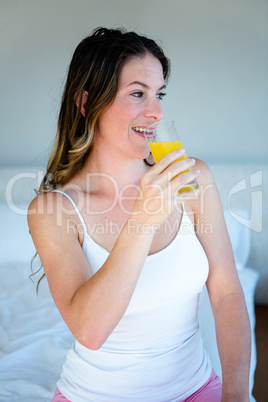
x=16, y=242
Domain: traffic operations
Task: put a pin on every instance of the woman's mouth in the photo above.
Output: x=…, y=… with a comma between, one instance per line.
x=143, y=132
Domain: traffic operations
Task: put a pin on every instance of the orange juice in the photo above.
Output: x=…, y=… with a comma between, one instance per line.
x=160, y=149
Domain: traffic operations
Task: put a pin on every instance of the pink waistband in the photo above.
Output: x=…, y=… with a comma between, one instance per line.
x=211, y=391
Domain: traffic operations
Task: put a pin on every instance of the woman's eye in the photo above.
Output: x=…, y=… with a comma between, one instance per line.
x=140, y=94
x=161, y=95
x=137, y=94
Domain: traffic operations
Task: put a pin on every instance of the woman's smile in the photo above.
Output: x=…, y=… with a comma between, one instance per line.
x=143, y=132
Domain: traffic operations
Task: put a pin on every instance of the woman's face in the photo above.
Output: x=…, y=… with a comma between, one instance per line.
x=137, y=104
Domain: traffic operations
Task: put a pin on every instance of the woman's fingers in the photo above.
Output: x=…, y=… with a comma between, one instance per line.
x=166, y=160
x=161, y=184
x=176, y=168
x=185, y=178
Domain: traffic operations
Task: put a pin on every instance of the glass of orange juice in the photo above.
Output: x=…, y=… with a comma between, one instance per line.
x=163, y=138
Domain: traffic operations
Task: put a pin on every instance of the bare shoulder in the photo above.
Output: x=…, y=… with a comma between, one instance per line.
x=50, y=206
x=42, y=203
x=208, y=198
x=52, y=215
x=40, y=209
x=206, y=175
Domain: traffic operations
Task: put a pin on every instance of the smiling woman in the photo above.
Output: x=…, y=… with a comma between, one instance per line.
x=92, y=81
x=130, y=296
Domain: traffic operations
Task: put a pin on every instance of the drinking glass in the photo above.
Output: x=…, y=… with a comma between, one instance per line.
x=163, y=138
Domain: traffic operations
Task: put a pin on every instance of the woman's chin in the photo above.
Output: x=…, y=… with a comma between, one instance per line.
x=143, y=152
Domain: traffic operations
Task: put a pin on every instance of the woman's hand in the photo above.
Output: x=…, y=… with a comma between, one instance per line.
x=160, y=185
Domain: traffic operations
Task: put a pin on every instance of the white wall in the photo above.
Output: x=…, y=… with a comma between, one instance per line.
x=218, y=91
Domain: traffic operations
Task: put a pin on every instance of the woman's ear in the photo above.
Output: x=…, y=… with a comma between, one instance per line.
x=84, y=101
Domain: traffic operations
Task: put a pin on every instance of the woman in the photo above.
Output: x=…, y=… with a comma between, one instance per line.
x=116, y=240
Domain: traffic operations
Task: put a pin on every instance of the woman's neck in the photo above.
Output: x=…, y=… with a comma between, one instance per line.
x=105, y=173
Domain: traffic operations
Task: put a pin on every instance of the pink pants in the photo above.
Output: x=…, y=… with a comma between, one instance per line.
x=210, y=392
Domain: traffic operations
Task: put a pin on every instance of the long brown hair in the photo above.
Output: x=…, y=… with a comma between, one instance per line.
x=95, y=68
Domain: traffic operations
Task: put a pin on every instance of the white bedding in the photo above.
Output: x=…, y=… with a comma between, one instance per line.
x=33, y=337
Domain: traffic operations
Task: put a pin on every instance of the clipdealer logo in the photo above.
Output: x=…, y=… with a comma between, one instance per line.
x=255, y=221
x=256, y=201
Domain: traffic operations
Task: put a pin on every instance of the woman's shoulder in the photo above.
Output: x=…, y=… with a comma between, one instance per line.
x=39, y=206
x=51, y=209
x=205, y=180
x=207, y=187
x=206, y=175
x=45, y=203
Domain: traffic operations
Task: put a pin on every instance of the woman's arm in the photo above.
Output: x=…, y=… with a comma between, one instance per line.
x=93, y=305
x=225, y=292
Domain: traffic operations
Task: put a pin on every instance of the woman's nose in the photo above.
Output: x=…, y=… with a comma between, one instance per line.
x=154, y=110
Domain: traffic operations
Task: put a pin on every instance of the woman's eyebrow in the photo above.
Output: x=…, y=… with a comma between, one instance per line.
x=144, y=85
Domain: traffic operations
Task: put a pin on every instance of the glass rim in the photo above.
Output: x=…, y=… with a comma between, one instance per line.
x=163, y=121
x=152, y=134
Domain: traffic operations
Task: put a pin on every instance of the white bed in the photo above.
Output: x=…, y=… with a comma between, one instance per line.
x=33, y=337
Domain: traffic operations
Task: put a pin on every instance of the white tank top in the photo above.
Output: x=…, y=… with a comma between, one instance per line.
x=155, y=353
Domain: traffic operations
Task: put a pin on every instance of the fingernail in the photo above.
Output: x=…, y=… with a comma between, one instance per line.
x=193, y=161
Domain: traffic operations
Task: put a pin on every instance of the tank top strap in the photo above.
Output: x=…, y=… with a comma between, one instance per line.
x=75, y=208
